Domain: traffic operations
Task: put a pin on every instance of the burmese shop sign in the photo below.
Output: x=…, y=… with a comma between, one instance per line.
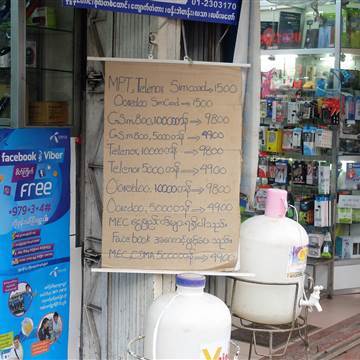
x=216, y=11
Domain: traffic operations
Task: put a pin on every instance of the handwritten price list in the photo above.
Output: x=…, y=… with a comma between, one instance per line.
x=172, y=140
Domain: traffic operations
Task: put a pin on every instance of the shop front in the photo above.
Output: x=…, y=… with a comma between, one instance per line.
x=141, y=140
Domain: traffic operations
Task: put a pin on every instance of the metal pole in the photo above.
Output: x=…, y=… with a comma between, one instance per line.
x=18, y=70
x=338, y=30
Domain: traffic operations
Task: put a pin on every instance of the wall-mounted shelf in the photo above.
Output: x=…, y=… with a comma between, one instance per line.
x=5, y=122
x=351, y=51
x=298, y=156
x=347, y=262
x=347, y=157
x=320, y=261
x=49, y=69
x=41, y=29
x=312, y=51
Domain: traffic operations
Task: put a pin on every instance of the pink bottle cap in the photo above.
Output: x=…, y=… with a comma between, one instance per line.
x=276, y=203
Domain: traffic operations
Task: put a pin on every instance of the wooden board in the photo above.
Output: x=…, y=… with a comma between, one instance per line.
x=172, y=159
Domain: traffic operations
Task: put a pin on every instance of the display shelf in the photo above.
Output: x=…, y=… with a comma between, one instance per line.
x=47, y=125
x=308, y=186
x=353, y=223
x=313, y=227
x=295, y=90
x=319, y=261
x=29, y=68
x=311, y=51
x=298, y=156
x=351, y=51
x=253, y=213
x=5, y=76
x=173, y=272
x=33, y=29
x=348, y=157
x=5, y=26
x=347, y=291
x=347, y=262
x=348, y=154
x=5, y=122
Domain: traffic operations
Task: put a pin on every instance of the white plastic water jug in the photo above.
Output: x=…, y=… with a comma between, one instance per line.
x=188, y=324
x=274, y=248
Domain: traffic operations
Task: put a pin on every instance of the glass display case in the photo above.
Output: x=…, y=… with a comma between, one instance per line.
x=39, y=63
x=49, y=63
x=310, y=63
x=300, y=113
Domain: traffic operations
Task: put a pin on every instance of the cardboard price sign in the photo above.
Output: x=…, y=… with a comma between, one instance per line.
x=172, y=159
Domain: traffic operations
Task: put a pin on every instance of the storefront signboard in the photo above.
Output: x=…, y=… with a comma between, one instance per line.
x=215, y=11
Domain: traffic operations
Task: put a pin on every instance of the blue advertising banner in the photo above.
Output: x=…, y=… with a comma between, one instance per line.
x=34, y=243
x=217, y=11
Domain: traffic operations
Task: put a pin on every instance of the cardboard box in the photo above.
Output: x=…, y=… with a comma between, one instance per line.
x=269, y=34
x=49, y=112
x=281, y=176
x=348, y=247
x=309, y=147
x=323, y=138
x=312, y=173
x=279, y=111
x=287, y=141
x=344, y=216
x=343, y=247
x=327, y=31
x=293, y=111
x=43, y=16
x=274, y=140
x=349, y=201
x=324, y=179
x=322, y=211
x=315, y=243
x=356, y=215
x=289, y=30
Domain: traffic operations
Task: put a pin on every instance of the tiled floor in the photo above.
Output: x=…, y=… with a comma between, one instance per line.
x=337, y=309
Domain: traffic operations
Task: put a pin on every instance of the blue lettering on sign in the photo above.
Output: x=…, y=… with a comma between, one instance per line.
x=217, y=11
x=30, y=190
